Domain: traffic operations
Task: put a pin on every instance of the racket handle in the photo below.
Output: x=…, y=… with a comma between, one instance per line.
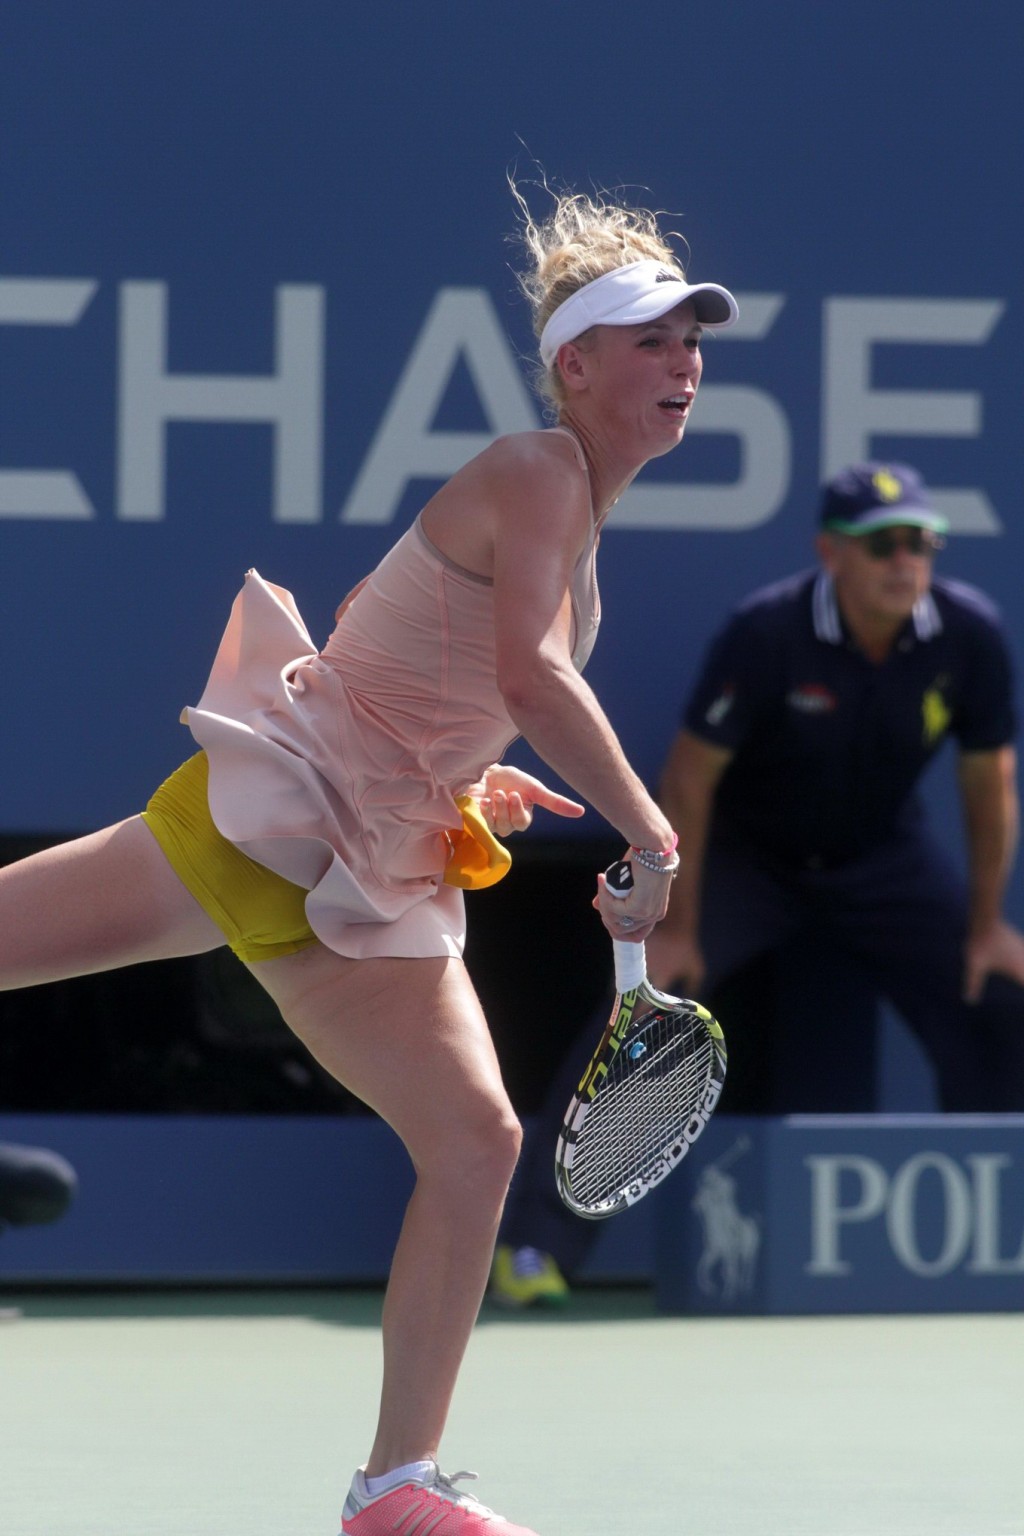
x=630, y=965
x=630, y=959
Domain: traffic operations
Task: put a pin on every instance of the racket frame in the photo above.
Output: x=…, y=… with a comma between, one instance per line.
x=635, y=1000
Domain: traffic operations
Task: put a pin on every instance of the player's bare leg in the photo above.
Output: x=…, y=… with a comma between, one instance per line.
x=95, y=903
x=409, y=1037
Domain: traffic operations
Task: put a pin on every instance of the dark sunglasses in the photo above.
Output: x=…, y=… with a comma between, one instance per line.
x=881, y=543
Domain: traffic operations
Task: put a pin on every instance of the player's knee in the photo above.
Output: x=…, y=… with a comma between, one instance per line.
x=509, y=1144
x=482, y=1156
x=497, y=1147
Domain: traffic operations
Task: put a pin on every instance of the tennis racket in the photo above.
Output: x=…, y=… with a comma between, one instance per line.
x=647, y=1094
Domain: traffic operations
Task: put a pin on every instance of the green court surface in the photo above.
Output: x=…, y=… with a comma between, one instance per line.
x=242, y=1413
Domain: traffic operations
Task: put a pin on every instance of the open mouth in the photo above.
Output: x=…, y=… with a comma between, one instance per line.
x=675, y=405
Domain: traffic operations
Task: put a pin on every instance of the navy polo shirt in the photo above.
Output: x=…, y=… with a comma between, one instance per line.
x=829, y=745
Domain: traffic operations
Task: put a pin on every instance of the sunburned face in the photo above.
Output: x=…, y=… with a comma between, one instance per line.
x=642, y=379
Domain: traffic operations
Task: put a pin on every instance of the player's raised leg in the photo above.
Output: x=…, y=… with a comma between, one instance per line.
x=104, y=900
x=408, y=1036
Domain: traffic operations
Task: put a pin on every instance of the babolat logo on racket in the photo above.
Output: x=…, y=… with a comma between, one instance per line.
x=673, y=1155
x=598, y=1071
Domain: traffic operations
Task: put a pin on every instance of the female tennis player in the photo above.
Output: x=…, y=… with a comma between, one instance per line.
x=340, y=799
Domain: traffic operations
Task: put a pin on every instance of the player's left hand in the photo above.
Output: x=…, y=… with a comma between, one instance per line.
x=999, y=949
x=507, y=798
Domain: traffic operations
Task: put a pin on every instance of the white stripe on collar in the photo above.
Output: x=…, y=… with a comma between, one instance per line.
x=828, y=625
x=927, y=618
x=825, y=609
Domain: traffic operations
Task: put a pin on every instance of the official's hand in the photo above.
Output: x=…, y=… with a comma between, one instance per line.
x=1001, y=950
x=508, y=797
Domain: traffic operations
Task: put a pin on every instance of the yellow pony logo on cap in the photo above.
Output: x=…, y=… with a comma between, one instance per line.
x=887, y=485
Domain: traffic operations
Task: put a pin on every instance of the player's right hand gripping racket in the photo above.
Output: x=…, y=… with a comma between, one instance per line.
x=647, y=1094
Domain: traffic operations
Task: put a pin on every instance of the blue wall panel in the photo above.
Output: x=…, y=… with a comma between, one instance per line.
x=810, y=1214
x=220, y=1199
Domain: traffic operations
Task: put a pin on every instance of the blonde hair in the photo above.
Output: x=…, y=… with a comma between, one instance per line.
x=582, y=238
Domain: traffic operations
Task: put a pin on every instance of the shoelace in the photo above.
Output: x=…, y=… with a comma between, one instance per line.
x=448, y=1480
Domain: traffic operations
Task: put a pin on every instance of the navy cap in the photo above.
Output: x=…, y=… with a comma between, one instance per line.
x=874, y=495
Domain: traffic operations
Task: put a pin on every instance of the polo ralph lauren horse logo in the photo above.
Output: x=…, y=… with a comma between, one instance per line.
x=732, y=1241
x=935, y=712
x=888, y=485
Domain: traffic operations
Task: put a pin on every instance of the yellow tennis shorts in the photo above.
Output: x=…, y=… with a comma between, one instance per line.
x=260, y=913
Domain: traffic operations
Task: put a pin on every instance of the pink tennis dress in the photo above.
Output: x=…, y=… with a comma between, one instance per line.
x=339, y=770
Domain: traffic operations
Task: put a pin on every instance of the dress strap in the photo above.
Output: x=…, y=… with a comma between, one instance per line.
x=581, y=459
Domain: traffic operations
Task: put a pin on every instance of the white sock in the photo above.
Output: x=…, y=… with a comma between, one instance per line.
x=414, y=1472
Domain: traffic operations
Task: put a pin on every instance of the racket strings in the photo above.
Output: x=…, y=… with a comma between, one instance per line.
x=654, y=1085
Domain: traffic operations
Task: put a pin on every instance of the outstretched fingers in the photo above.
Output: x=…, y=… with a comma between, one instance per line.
x=508, y=798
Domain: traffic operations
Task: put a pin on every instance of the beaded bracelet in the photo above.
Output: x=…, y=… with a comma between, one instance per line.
x=664, y=861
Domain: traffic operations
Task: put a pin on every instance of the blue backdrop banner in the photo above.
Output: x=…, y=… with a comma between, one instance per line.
x=257, y=298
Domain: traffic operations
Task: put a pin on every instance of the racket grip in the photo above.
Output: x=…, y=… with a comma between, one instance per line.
x=630, y=959
x=630, y=965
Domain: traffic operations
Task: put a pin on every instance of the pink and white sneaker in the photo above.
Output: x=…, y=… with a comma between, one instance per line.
x=429, y=1507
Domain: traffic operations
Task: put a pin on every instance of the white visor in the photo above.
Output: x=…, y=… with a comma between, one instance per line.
x=643, y=290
